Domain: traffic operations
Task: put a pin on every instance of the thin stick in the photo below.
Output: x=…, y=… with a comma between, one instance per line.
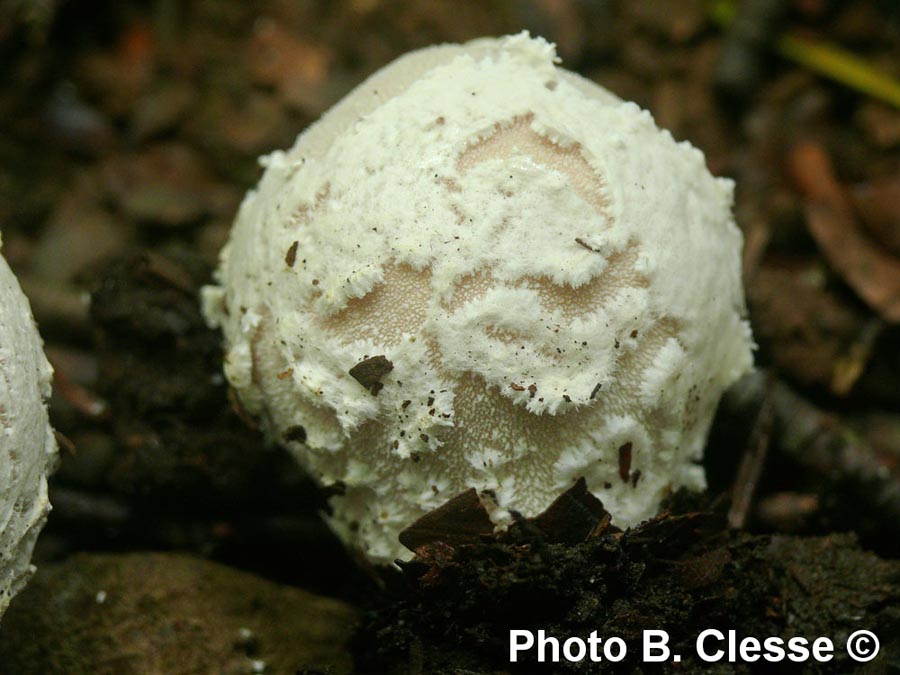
x=752, y=463
x=823, y=57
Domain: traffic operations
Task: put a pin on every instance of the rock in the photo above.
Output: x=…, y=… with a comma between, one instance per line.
x=169, y=613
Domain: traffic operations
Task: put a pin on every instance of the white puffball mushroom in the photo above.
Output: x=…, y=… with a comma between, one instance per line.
x=27, y=443
x=481, y=270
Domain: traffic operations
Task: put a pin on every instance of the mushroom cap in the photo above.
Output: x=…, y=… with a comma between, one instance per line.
x=27, y=443
x=481, y=270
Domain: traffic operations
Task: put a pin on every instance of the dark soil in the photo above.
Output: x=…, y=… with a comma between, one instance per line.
x=681, y=572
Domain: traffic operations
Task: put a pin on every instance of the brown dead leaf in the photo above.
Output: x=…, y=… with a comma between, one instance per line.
x=461, y=520
x=167, y=184
x=880, y=122
x=872, y=273
x=878, y=204
x=79, y=235
x=119, y=76
x=573, y=516
x=803, y=325
x=297, y=68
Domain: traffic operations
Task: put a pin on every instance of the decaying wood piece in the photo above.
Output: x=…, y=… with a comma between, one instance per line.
x=820, y=444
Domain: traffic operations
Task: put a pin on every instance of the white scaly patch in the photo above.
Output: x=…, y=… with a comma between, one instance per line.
x=551, y=276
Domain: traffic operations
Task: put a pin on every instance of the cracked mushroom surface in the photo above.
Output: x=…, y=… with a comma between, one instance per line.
x=481, y=270
x=27, y=443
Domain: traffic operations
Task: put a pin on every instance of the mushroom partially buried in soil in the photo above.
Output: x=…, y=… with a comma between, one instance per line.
x=27, y=443
x=481, y=270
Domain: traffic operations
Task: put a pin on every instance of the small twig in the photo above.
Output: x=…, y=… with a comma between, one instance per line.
x=820, y=443
x=756, y=240
x=169, y=272
x=80, y=506
x=822, y=57
x=64, y=442
x=852, y=364
x=84, y=401
x=841, y=66
x=752, y=463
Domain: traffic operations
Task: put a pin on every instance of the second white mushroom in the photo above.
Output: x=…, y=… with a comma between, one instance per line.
x=27, y=443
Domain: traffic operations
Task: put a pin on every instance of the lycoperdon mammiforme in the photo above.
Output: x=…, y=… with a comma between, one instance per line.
x=28, y=450
x=481, y=270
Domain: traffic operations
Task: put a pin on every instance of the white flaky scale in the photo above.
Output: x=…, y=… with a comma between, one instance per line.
x=481, y=270
x=27, y=444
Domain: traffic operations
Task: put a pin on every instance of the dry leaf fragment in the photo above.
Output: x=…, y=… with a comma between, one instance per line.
x=574, y=516
x=878, y=203
x=298, y=69
x=461, y=520
x=873, y=274
x=369, y=372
